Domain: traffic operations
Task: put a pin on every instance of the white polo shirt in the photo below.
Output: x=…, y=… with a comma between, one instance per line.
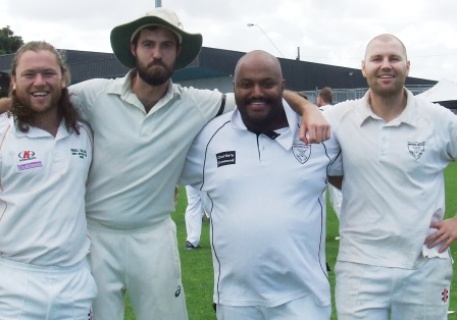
x=138, y=157
x=43, y=182
x=393, y=179
x=267, y=218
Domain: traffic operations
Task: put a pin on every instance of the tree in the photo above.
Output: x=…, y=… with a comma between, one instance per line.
x=9, y=43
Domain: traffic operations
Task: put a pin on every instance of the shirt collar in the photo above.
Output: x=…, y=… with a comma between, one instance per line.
x=35, y=132
x=123, y=88
x=408, y=116
x=285, y=135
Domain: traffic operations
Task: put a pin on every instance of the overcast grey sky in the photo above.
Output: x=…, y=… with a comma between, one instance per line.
x=326, y=31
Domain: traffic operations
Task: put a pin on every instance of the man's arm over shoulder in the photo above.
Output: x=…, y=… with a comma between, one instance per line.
x=211, y=103
x=5, y=104
x=314, y=127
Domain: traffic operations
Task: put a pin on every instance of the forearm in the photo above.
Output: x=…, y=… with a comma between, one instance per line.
x=314, y=128
x=299, y=104
x=5, y=104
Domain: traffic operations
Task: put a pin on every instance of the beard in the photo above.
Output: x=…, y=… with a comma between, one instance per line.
x=155, y=77
x=270, y=119
x=26, y=115
x=387, y=91
x=21, y=101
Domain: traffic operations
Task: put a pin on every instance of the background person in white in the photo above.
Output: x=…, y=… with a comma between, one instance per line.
x=267, y=239
x=393, y=261
x=143, y=126
x=325, y=100
x=193, y=216
x=45, y=155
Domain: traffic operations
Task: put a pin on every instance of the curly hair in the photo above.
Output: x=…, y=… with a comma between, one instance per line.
x=24, y=115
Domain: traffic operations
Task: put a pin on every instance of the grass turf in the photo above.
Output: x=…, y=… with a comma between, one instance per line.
x=197, y=265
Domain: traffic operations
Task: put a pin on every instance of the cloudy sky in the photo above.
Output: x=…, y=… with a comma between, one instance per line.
x=325, y=31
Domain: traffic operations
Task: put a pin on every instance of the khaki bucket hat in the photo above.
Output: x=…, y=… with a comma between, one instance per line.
x=121, y=37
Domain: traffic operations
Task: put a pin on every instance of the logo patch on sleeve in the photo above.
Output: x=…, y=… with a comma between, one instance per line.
x=226, y=158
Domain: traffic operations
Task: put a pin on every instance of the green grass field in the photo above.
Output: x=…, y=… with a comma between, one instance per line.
x=197, y=266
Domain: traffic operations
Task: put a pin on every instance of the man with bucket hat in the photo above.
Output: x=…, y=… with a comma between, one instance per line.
x=143, y=127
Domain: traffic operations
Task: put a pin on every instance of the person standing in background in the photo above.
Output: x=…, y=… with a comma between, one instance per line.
x=323, y=101
x=195, y=212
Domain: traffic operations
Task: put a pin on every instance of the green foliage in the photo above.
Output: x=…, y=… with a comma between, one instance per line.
x=9, y=43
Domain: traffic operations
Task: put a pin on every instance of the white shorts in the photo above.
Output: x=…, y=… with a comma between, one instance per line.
x=299, y=309
x=380, y=293
x=142, y=262
x=29, y=292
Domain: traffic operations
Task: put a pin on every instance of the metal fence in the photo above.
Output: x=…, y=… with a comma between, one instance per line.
x=340, y=95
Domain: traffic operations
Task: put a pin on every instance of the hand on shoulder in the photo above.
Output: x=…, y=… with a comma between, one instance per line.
x=5, y=103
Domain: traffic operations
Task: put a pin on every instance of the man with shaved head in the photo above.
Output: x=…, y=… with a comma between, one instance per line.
x=267, y=210
x=393, y=260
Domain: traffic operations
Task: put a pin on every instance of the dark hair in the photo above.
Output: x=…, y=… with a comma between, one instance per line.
x=326, y=94
x=24, y=115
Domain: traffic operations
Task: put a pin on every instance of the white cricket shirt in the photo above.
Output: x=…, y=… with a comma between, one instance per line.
x=138, y=157
x=393, y=179
x=43, y=182
x=267, y=218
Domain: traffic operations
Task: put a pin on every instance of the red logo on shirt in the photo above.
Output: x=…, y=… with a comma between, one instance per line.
x=26, y=155
x=444, y=295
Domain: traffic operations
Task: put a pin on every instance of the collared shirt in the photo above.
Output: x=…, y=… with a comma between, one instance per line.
x=393, y=184
x=267, y=217
x=43, y=180
x=138, y=156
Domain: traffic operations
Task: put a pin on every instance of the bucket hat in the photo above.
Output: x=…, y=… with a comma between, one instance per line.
x=121, y=37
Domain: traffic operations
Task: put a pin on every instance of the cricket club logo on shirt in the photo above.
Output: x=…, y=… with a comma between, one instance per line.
x=81, y=153
x=302, y=152
x=26, y=155
x=416, y=149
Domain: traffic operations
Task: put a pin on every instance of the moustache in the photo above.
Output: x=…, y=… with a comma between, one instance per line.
x=156, y=63
x=254, y=100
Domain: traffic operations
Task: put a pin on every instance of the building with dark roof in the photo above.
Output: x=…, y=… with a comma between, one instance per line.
x=213, y=68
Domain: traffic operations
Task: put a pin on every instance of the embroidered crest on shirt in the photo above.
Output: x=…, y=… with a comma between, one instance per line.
x=302, y=152
x=225, y=158
x=26, y=156
x=416, y=149
x=79, y=152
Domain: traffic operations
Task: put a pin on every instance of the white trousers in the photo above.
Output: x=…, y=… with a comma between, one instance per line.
x=193, y=215
x=142, y=262
x=300, y=309
x=29, y=292
x=336, y=199
x=379, y=293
